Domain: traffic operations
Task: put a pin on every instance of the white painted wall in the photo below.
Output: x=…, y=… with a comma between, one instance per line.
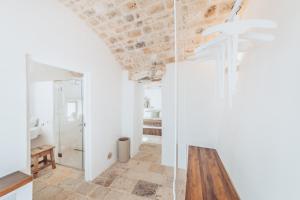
x=198, y=109
x=154, y=94
x=138, y=115
x=128, y=109
x=132, y=111
x=168, y=117
x=54, y=35
x=259, y=137
x=42, y=106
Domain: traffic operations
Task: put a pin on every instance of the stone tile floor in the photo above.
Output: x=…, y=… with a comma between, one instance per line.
x=142, y=178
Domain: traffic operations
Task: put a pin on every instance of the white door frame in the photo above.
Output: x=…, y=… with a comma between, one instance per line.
x=86, y=116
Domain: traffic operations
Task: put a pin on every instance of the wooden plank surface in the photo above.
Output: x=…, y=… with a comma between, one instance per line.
x=12, y=182
x=152, y=131
x=153, y=122
x=207, y=178
x=41, y=150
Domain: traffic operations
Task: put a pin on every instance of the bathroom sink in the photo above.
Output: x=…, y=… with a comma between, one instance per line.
x=35, y=132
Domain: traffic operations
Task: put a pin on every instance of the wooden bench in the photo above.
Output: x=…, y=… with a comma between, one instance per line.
x=206, y=177
x=13, y=182
x=42, y=152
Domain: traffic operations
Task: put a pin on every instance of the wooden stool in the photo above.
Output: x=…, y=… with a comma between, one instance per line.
x=42, y=152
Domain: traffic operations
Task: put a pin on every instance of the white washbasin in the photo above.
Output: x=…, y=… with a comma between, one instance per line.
x=35, y=132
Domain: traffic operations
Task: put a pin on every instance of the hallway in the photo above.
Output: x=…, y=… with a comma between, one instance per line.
x=142, y=178
x=199, y=99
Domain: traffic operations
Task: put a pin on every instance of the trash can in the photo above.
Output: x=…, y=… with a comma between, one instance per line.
x=124, y=149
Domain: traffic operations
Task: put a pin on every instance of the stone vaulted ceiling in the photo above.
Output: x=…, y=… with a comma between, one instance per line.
x=140, y=33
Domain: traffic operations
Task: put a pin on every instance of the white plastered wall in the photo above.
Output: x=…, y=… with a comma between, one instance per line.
x=52, y=34
x=168, y=117
x=258, y=138
x=198, y=109
x=132, y=111
x=41, y=109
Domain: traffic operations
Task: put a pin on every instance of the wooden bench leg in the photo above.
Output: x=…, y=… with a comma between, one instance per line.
x=35, y=167
x=45, y=160
x=52, y=159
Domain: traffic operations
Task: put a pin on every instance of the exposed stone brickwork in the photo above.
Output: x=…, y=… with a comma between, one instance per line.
x=140, y=33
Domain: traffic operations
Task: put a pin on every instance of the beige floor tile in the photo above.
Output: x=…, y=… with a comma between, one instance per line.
x=104, y=181
x=157, y=168
x=125, y=184
x=164, y=193
x=180, y=195
x=119, y=195
x=63, y=195
x=131, y=163
x=38, y=186
x=180, y=189
x=121, y=166
x=145, y=157
x=169, y=171
x=77, y=196
x=45, y=175
x=45, y=171
x=142, y=167
x=134, y=174
x=76, y=174
x=54, y=178
x=115, y=170
x=99, y=193
x=85, y=188
x=70, y=184
x=168, y=182
x=116, y=183
x=149, y=176
x=116, y=195
x=145, y=189
x=48, y=193
x=181, y=175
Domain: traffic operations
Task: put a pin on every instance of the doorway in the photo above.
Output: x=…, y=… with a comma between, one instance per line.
x=152, y=120
x=57, y=113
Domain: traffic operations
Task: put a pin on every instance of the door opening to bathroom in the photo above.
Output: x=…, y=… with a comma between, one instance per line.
x=55, y=117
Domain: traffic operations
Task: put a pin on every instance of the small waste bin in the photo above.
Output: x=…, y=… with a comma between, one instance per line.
x=124, y=149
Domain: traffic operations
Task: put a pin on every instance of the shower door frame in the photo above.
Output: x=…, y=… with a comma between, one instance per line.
x=86, y=90
x=56, y=118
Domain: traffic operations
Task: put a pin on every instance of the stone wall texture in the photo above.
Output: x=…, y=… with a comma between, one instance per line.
x=140, y=33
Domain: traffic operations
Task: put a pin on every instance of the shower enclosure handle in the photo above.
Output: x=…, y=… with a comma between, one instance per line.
x=82, y=125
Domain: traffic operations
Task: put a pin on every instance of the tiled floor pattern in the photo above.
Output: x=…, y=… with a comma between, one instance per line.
x=71, y=157
x=142, y=178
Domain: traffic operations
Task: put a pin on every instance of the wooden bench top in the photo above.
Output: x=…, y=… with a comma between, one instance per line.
x=40, y=149
x=12, y=182
x=207, y=178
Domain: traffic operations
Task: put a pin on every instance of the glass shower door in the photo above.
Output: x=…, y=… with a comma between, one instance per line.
x=69, y=123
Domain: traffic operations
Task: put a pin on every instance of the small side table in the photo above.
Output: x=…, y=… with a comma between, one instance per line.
x=44, y=152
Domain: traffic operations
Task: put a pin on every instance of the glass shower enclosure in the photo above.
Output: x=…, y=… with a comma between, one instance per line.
x=68, y=123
